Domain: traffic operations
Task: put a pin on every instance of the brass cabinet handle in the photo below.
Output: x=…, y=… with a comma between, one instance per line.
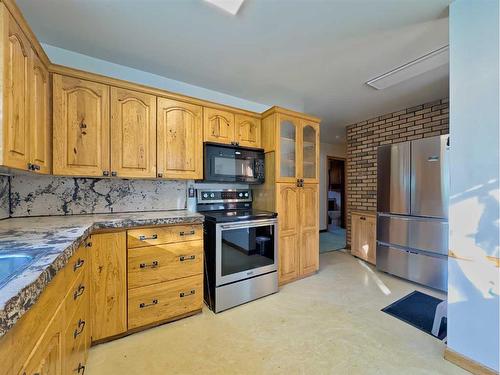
x=79, y=328
x=160, y=175
x=79, y=263
x=362, y=218
x=88, y=244
x=187, y=294
x=153, y=264
x=105, y=173
x=144, y=238
x=114, y=173
x=153, y=302
x=190, y=233
x=183, y=258
x=79, y=291
x=80, y=368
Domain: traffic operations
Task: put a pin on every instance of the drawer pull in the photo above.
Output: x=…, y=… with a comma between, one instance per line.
x=187, y=294
x=80, y=369
x=143, y=305
x=153, y=264
x=79, y=291
x=362, y=218
x=183, y=258
x=79, y=328
x=190, y=233
x=79, y=263
x=144, y=238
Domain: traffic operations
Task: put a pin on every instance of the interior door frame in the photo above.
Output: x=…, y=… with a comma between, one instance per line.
x=344, y=188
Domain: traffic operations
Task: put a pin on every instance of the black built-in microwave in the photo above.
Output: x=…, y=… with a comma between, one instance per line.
x=227, y=163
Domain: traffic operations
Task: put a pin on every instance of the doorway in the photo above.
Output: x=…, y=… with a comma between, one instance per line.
x=335, y=236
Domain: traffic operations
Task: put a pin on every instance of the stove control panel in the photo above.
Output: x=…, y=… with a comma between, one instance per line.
x=215, y=196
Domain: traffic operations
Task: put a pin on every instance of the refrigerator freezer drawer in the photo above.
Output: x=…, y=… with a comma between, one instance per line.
x=413, y=232
x=424, y=269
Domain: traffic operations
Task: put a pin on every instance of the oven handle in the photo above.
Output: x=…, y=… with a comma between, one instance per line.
x=248, y=224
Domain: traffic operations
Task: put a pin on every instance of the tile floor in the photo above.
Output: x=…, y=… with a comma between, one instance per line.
x=329, y=323
x=332, y=240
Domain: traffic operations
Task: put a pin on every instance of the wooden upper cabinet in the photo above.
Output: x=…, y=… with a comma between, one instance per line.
x=247, y=130
x=133, y=133
x=309, y=155
x=180, y=140
x=40, y=144
x=16, y=96
x=309, y=216
x=218, y=125
x=80, y=127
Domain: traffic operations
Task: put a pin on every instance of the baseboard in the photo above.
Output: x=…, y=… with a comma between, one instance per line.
x=467, y=363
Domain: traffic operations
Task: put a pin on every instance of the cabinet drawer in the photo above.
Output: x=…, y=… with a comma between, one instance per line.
x=162, y=235
x=156, y=264
x=78, y=262
x=77, y=296
x=155, y=303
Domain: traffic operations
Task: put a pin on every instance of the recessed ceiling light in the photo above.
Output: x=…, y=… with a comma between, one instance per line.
x=423, y=64
x=230, y=6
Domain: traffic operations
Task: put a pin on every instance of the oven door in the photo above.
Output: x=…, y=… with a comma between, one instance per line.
x=245, y=249
x=233, y=164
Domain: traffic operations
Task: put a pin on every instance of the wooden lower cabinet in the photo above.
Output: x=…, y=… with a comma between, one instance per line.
x=109, y=285
x=298, y=217
x=46, y=358
x=159, y=302
x=364, y=236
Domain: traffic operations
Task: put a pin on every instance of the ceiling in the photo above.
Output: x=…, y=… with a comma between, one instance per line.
x=314, y=55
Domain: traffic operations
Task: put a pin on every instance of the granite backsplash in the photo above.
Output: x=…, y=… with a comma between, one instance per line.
x=36, y=195
x=4, y=197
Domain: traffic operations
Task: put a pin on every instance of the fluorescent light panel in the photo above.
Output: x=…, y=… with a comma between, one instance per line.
x=230, y=6
x=423, y=64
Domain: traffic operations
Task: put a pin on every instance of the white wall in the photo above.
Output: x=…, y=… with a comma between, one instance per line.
x=326, y=149
x=91, y=64
x=473, y=280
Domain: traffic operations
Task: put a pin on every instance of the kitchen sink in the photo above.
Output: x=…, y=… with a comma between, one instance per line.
x=12, y=263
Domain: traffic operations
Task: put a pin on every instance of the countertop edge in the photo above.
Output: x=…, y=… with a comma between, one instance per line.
x=21, y=303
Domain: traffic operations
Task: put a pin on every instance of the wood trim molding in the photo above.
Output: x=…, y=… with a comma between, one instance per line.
x=467, y=363
x=116, y=82
x=18, y=16
x=290, y=112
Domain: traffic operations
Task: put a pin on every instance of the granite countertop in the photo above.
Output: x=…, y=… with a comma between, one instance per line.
x=51, y=241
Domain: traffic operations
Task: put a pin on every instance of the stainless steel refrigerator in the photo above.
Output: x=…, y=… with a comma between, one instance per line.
x=412, y=210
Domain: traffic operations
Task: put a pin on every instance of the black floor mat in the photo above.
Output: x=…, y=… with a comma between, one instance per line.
x=417, y=309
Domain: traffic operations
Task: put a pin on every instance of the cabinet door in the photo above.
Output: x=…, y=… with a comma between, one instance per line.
x=81, y=127
x=46, y=357
x=363, y=237
x=309, y=155
x=133, y=133
x=108, y=285
x=355, y=235
x=16, y=97
x=287, y=149
x=289, y=224
x=218, y=125
x=309, y=229
x=247, y=130
x=40, y=135
x=180, y=140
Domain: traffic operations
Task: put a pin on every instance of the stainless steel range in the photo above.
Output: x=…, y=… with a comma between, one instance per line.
x=241, y=248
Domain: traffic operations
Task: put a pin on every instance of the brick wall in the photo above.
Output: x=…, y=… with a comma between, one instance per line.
x=363, y=138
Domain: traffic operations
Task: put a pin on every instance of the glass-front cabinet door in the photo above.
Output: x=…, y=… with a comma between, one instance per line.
x=309, y=152
x=288, y=133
